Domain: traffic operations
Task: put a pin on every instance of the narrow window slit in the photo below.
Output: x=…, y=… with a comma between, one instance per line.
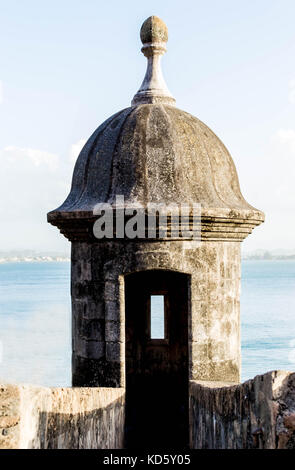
x=157, y=315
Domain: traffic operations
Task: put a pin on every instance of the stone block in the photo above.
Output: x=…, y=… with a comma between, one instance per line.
x=88, y=349
x=92, y=329
x=112, y=311
x=111, y=291
x=113, y=352
x=112, y=331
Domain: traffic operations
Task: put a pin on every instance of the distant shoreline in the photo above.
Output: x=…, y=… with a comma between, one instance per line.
x=39, y=256
x=61, y=259
x=41, y=259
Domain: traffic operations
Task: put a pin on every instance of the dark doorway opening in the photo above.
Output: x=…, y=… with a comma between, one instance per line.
x=156, y=306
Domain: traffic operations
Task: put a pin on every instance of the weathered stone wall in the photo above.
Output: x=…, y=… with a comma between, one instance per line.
x=61, y=418
x=98, y=271
x=259, y=413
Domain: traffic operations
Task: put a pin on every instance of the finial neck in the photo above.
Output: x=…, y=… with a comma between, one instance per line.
x=154, y=36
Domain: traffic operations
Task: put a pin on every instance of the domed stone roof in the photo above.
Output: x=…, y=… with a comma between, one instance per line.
x=153, y=152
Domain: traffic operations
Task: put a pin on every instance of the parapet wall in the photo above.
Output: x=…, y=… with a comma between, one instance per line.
x=259, y=413
x=61, y=418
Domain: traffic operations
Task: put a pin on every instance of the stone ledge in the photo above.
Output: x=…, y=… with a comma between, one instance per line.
x=61, y=418
x=260, y=413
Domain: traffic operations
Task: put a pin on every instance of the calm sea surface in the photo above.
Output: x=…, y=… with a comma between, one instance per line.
x=35, y=325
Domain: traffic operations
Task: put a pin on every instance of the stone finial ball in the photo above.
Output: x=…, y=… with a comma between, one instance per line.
x=153, y=30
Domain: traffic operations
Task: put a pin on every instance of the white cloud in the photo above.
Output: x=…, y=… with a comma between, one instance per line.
x=1, y=92
x=27, y=157
x=292, y=91
x=30, y=184
x=76, y=149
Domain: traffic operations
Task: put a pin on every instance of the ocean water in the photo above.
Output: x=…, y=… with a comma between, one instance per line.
x=267, y=316
x=35, y=326
x=35, y=320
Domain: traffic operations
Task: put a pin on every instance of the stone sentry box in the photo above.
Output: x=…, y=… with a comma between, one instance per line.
x=152, y=152
x=98, y=306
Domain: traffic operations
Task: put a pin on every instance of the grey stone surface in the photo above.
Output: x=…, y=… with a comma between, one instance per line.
x=157, y=153
x=214, y=318
x=9, y=417
x=61, y=418
x=259, y=413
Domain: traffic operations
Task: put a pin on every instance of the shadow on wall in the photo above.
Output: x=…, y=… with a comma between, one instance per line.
x=97, y=429
x=259, y=413
x=77, y=418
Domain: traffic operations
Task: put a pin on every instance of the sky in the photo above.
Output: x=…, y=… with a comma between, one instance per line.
x=66, y=66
